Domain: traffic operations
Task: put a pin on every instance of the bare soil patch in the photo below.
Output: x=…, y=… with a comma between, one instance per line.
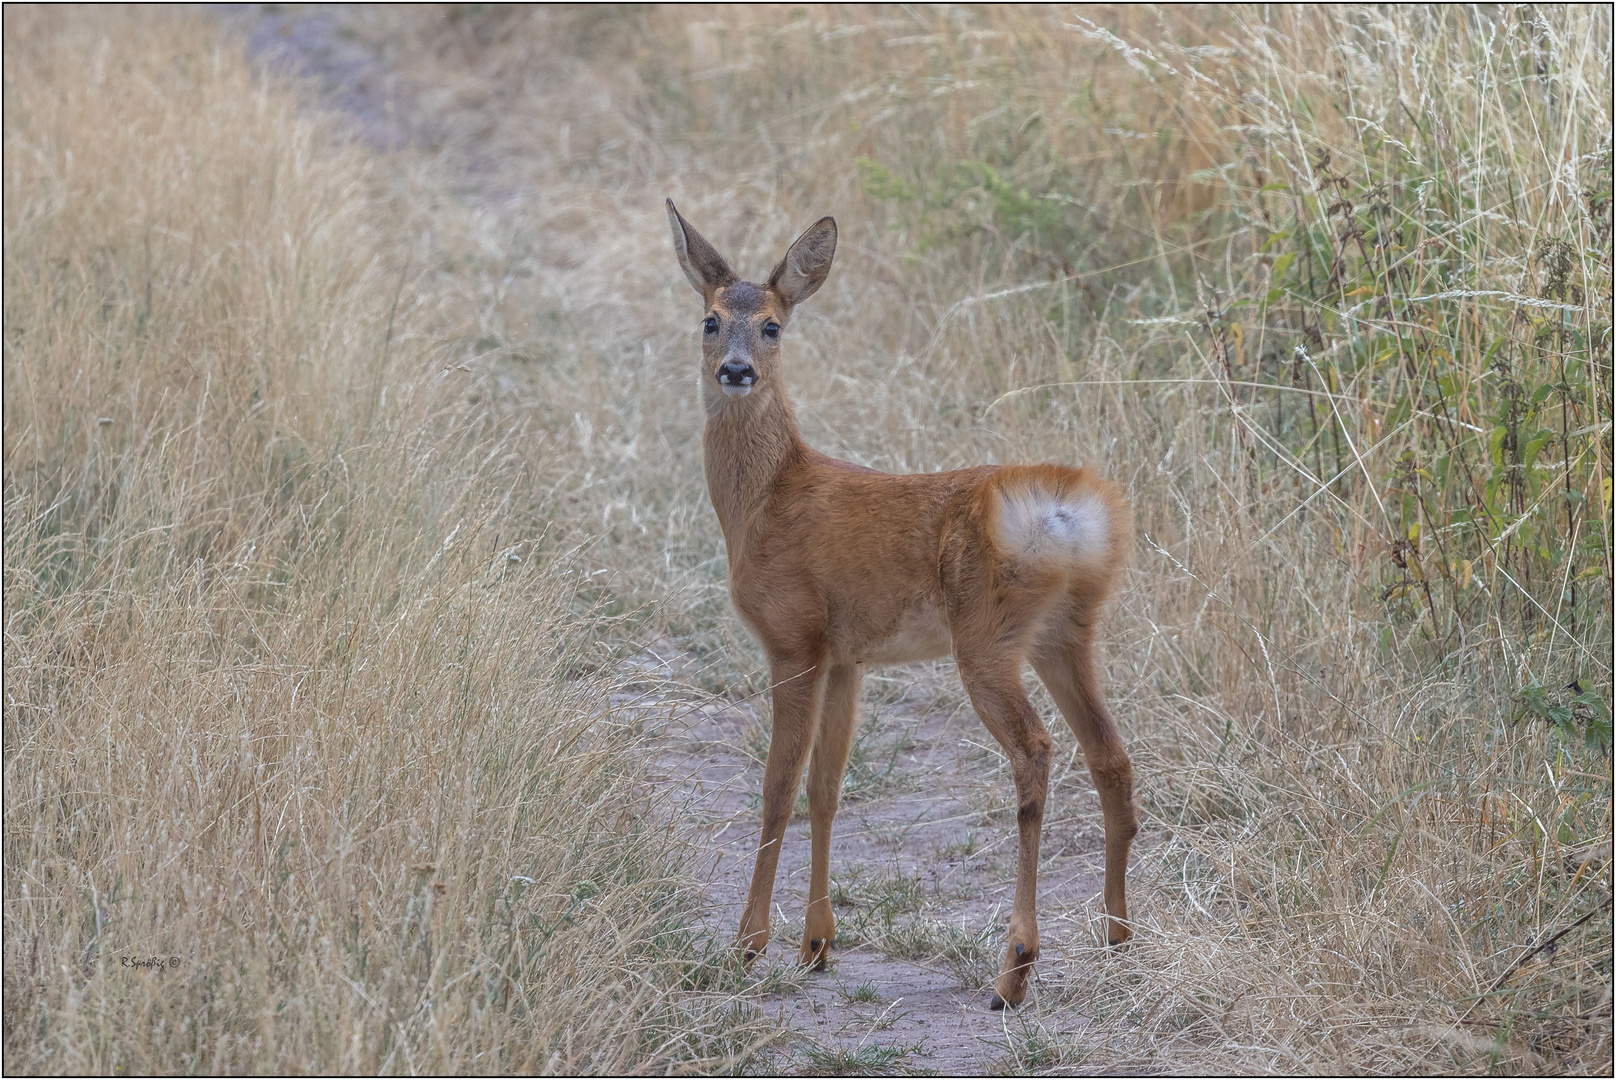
x=923, y=872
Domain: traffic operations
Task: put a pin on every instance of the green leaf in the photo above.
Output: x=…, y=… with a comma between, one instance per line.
x=1495, y=445
x=1400, y=411
x=1539, y=441
x=1595, y=703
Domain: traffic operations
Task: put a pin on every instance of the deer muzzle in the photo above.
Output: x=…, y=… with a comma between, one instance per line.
x=736, y=379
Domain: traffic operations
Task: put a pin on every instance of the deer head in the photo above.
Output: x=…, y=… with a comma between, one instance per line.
x=743, y=321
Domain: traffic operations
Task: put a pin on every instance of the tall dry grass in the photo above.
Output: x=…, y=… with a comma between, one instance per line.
x=1312, y=283
x=309, y=761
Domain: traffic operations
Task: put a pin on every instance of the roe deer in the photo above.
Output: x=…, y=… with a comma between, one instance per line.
x=834, y=566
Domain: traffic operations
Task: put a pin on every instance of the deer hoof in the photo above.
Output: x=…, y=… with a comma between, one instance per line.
x=1010, y=988
x=815, y=953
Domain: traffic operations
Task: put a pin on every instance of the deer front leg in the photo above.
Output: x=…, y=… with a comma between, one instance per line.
x=798, y=691
x=1000, y=700
x=837, y=722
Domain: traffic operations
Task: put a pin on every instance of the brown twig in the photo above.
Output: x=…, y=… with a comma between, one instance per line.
x=1524, y=957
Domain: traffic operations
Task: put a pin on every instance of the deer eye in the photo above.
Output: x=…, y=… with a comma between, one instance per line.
x=710, y=324
x=771, y=330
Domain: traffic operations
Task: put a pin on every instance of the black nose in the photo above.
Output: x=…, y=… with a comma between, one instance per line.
x=736, y=374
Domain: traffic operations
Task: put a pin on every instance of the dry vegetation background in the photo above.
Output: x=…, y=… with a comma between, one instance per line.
x=336, y=483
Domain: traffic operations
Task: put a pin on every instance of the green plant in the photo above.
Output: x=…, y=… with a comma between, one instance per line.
x=1578, y=714
x=1032, y=1049
x=867, y=1059
x=862, y=994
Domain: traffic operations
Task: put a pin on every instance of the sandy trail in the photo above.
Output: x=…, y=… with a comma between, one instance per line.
x=923, y=868
x=924, y=850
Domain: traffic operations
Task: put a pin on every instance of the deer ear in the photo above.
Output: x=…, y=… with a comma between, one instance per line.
x=701, y=262
x=807, y=263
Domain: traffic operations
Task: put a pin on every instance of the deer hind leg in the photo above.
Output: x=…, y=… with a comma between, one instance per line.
x=995, y=689
x=798, y=690
x=837, y=721
x=1064, y=661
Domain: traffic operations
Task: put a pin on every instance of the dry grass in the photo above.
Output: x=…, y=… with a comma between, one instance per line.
x=1056, y=246
x=295, y=692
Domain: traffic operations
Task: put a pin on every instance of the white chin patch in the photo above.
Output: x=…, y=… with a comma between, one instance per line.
x=731, y=390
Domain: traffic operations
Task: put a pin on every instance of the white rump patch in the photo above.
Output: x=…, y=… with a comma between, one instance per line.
x=1038, y=524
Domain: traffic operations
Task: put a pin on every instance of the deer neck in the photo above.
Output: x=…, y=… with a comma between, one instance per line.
x=746, y=445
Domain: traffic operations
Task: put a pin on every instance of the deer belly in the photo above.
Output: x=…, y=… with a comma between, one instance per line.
x=922, y=634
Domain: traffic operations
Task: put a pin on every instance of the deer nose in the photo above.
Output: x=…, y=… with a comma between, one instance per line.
x=734, y=373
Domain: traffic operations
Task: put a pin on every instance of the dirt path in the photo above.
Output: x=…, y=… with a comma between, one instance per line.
x=922, y=877
x=924, y=851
